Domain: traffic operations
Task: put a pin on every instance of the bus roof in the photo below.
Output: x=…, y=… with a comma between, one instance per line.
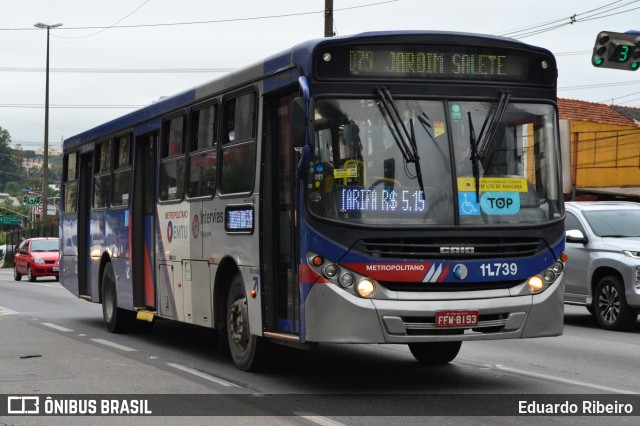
x=299, y=55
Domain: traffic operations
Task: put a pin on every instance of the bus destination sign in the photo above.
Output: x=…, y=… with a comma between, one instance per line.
x=431, y=62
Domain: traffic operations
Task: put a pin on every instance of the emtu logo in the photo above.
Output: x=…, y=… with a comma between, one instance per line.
x=170, y=232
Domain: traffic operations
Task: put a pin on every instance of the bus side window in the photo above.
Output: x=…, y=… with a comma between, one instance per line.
x=238, y=144
x=203, y=159
x=172, y=161
x=102, y=175
x=70, y=176
x=121, y=170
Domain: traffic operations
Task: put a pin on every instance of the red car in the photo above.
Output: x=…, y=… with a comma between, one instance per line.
x=37, y=257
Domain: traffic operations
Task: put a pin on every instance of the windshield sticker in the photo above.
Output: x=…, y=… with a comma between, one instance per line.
x=500, y=203
x=468, y=204
x=438, y=128
x=456, y=111
x=467, y=184
x=351, y=172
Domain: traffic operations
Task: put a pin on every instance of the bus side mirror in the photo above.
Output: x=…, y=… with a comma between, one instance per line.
x=300, y=122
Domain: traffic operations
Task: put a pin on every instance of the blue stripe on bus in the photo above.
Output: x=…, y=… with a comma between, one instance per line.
x=484, y=270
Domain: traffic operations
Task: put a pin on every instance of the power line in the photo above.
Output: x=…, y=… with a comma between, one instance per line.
x=119, y=70
x=603, y=12
x=598, y=85
x=214, y=21
x=111, y=26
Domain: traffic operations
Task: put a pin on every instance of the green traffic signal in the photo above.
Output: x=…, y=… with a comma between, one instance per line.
x=617, y=50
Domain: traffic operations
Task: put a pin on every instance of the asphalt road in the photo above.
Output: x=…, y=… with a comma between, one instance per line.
x=53, y=343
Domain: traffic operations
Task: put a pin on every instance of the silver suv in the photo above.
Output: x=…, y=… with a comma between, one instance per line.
x=603, y=269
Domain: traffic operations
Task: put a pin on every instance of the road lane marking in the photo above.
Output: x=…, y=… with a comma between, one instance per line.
x=58, y=286
x=201, y=375
x=7, y=311
x=563, y=380
x=114, y=345
x=57, y=327
x=319, y=420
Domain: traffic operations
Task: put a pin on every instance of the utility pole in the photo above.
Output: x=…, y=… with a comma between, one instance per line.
x=328, y=18
x=45, y=162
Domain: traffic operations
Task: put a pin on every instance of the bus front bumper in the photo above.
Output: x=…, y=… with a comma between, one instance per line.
x=333, y=315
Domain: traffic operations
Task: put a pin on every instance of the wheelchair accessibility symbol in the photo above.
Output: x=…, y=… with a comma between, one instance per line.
x=468, y=204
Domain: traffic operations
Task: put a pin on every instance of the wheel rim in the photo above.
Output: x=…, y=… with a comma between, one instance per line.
x=609, y=304
x=29, y=272
x=237, y=323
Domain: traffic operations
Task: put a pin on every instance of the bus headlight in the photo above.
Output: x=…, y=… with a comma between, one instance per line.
x=366, y=288
x=346, y=279
x=536, y=284
x=548, y=276
x=331, y=270
x=557, y=267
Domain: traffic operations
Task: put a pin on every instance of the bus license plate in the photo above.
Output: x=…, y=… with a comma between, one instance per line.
x=456, y=318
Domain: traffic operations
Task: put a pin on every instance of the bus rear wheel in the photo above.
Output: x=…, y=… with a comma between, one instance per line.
x=435, y=353
x=247, y=350
x=116, y=319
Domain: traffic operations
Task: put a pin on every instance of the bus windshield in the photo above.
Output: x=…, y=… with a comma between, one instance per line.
x=411, y=162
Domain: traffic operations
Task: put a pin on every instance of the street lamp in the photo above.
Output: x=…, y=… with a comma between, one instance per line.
x=45, y=162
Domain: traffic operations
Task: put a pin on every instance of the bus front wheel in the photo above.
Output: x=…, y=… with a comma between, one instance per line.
x=116, y=319
x=247, y=350
x=435, y=352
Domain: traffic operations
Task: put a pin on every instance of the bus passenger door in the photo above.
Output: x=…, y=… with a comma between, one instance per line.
x=278, y=221
x=142, y=226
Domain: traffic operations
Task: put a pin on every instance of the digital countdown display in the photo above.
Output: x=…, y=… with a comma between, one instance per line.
x=437, y=62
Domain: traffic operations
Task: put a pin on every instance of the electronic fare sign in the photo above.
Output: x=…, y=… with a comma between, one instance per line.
x=433, y=62
x=239, y=219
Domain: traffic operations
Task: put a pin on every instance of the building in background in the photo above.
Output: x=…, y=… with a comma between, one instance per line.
x=601, y=150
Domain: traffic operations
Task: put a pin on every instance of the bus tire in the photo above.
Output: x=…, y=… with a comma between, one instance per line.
x=116, y=319
x=435, y=353
x=247, y=350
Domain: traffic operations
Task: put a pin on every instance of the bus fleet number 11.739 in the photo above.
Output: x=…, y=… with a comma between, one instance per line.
x=498, y=269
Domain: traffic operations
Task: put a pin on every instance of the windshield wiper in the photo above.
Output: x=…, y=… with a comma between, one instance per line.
x=405, y=139
x=486, y=140
x=474, y=157
x=481, y=147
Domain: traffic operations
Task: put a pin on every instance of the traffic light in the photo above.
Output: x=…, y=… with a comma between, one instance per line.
x=38, y=200
x=617, y=50
x=25, y=199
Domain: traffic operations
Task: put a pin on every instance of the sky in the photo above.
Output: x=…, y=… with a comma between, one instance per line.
x=110, y=58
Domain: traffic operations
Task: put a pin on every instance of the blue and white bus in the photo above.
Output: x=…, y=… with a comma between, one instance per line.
x=388, y=187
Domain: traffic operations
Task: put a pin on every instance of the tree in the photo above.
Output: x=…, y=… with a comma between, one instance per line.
x=13, y=188
x=9, y=164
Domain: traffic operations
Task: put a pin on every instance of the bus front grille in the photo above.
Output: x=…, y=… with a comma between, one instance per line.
x=450, y=247
x=447, y=286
